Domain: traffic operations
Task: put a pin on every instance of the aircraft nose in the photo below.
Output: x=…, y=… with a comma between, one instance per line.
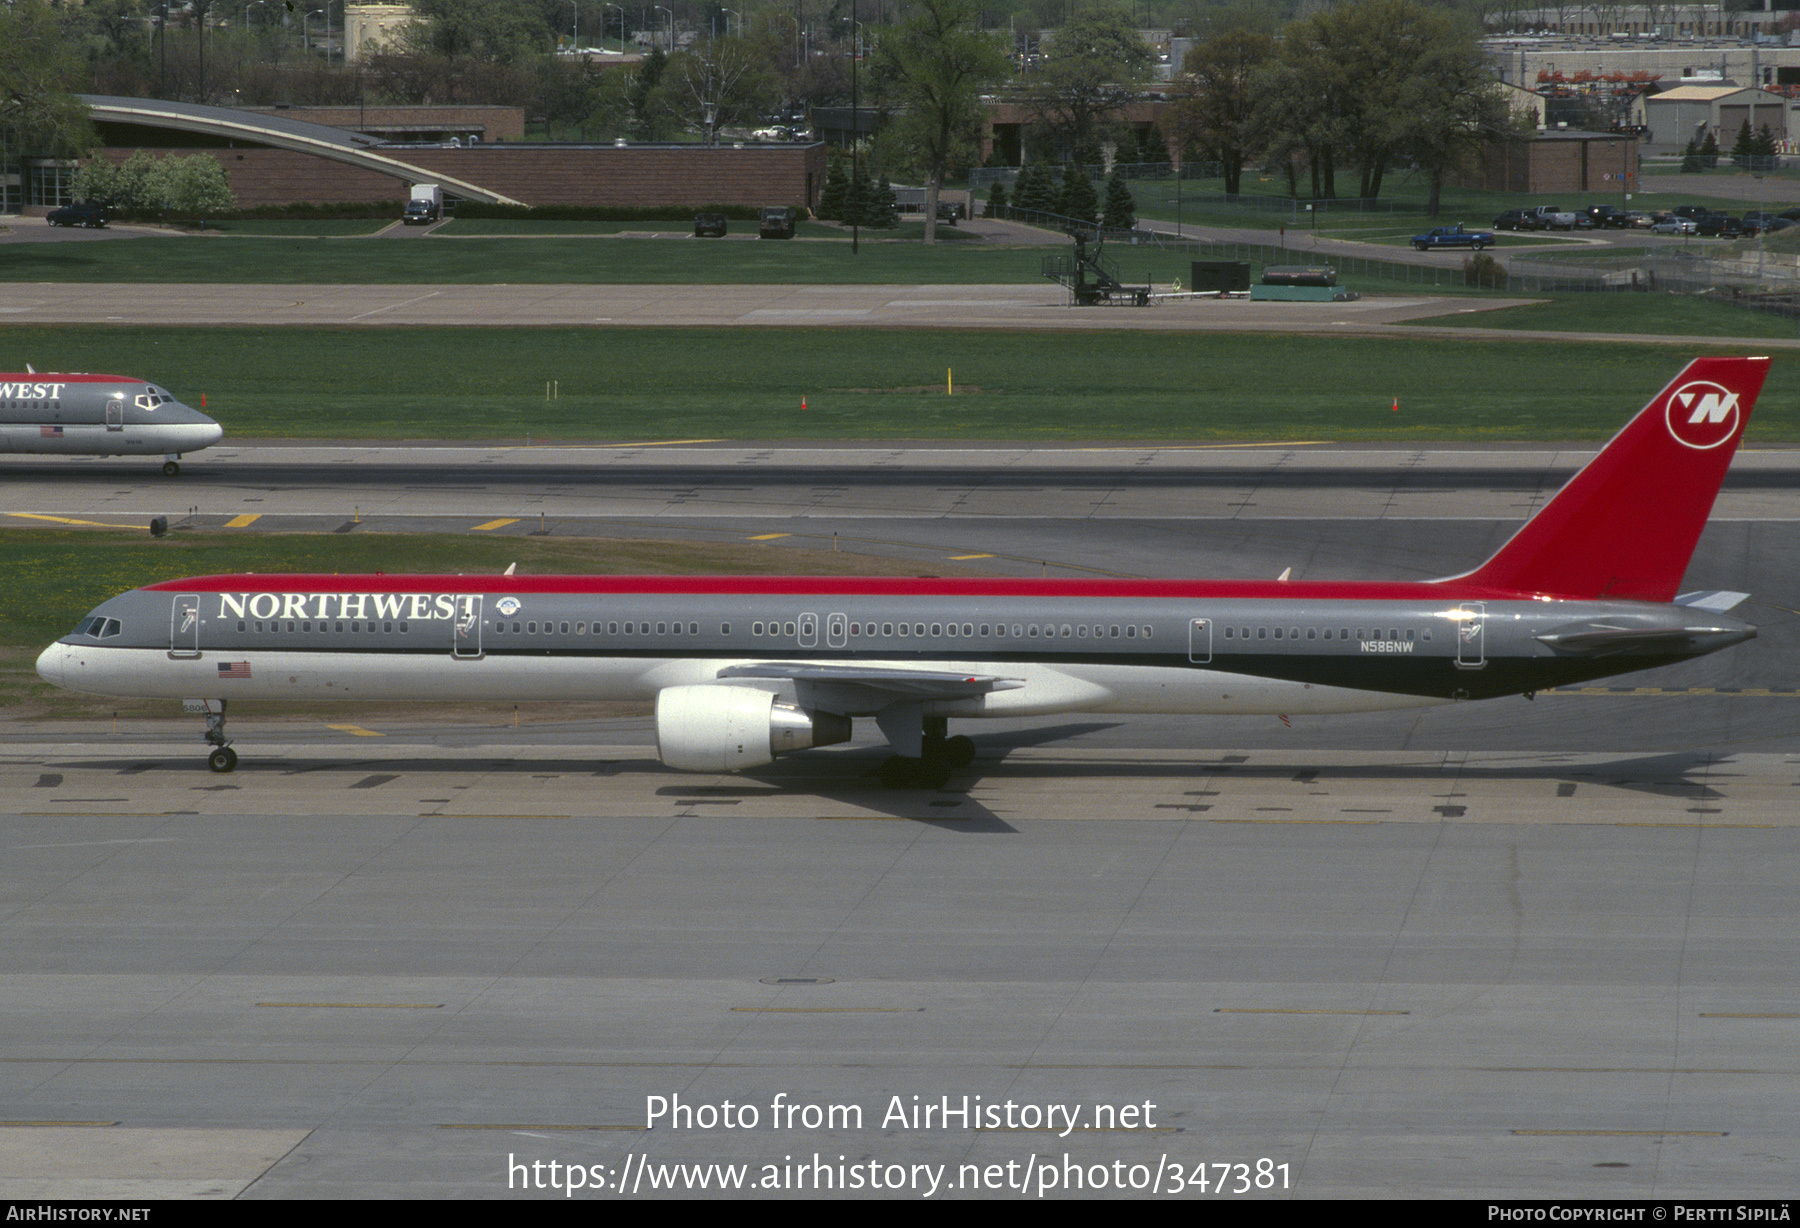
x=50, y=664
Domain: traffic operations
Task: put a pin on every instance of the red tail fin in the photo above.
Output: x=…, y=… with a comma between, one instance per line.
x=1626, y=525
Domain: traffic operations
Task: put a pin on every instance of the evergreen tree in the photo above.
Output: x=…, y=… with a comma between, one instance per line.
x=1741, y=148
x=836, y=195
x=860, y=205
x=1155, y=147
x=996, y=201
x=1764, y=145
x=1079, y=200
x=1690, y=159
x=1034, y=191
x=1709, y=152
x=1121, y=209
x=884, y=211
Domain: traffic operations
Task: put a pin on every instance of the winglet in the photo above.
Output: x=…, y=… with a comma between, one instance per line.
x=1626, y=525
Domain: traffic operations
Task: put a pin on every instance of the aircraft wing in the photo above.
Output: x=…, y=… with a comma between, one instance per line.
x=912, y=683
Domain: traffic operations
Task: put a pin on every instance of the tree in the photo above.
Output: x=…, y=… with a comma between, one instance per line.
x=1089, y=72
x=484, y=29
x=1377, y=81
x=1034, y=191
x=1078, y=200
x=1740, y=148
x=714, y=84
x=938, y=62
x=193, y=187
x=1121, y=209
x=834, y=200
x=1222, y=110
x=38, y=114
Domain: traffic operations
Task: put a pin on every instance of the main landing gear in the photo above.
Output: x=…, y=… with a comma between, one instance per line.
x=938, y=756
x=221, y=758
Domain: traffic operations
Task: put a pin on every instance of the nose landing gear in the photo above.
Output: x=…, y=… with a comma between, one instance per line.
x=221, y=758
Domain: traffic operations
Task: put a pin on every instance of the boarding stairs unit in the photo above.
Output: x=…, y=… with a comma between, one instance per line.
x=1091, y=280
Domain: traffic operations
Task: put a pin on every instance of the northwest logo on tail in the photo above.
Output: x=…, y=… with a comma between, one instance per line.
x=1702, y=414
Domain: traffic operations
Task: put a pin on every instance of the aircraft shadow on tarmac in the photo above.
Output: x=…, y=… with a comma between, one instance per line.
x=852, y=777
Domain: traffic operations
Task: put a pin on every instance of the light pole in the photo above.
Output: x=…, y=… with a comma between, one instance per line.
x=575, y=30
x=254, y=4
x=603, y=9
x=306, y=29
x=670, y=46
x=740, y=18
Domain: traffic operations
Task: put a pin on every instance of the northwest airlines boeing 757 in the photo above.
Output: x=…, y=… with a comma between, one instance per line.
x=743, y=669
x=99, y=415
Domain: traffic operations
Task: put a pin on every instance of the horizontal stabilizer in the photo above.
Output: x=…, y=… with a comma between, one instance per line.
x=1716, y=600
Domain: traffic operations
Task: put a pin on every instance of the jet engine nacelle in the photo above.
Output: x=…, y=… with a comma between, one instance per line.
x=728, y=728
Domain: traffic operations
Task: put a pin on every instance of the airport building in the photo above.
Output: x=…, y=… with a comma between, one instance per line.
x=286, y=156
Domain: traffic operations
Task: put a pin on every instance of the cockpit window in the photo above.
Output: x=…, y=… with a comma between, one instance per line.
x=98, y=627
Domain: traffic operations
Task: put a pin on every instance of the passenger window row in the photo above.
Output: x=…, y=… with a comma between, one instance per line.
x=1343, y=633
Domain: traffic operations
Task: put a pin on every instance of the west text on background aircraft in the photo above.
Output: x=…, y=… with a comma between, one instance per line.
x=99, y=415
x=743, y=669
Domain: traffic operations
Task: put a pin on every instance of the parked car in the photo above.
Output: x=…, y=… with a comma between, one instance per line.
x=1518, y=219
x=710, y=226
x=1605, y=217
x=83, y=214
x=1453, y=236
x=777, y=222
x=950, y=212
x=1675, y=226
x=1637, y=219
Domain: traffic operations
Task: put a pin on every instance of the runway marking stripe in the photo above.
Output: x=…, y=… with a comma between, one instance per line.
x=769, y=537
x=358, y=730
x=960, y=557
x=1618, y=1133
x=828, y=1010
x=494, y=524
x=244, y=521
x=97, y=524
x=359, y=1005
x=1752, y=691
x=1286, y=1010
x=504, y=1125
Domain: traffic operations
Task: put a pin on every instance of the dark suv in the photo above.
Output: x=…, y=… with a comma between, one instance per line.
x=710, y=226
x=83, y=214
x=777, y=222
x=1516, y=219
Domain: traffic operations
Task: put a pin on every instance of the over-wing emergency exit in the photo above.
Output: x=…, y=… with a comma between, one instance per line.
x=743, y=669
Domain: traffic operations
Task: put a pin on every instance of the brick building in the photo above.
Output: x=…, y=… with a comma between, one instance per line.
x=273, y=158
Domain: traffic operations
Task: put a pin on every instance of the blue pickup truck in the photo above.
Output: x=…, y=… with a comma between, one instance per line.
x=1453, y=236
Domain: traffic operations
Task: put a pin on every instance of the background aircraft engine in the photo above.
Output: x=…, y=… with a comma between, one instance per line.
x=727, y=728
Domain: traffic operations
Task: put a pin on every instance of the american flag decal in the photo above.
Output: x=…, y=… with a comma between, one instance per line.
x=49, y=432
x=234, y=669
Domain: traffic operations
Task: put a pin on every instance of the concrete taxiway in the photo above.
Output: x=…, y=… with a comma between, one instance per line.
x=1040, y=305
x=1527, y=949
